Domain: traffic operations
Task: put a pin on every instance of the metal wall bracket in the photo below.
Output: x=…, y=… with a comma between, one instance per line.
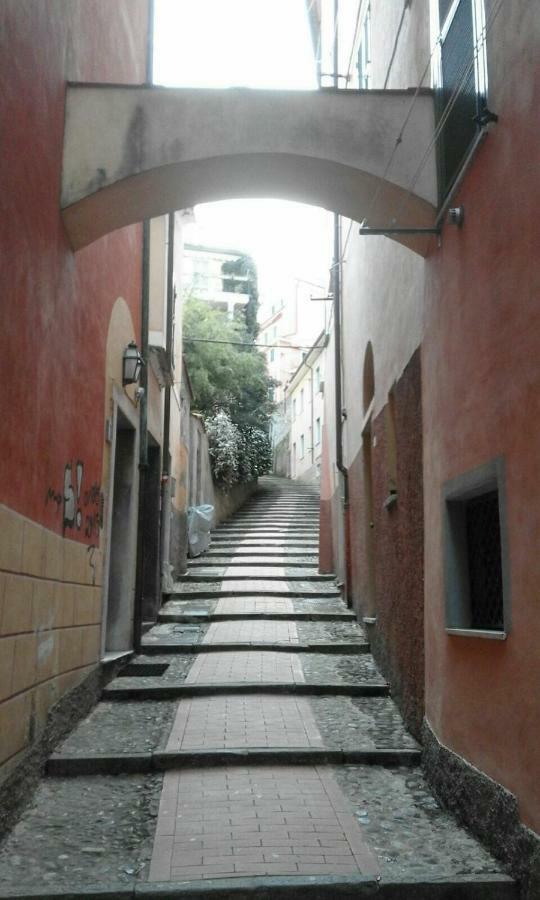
x=366, y=230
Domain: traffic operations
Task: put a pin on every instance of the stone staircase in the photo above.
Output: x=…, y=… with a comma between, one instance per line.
x=257, y=746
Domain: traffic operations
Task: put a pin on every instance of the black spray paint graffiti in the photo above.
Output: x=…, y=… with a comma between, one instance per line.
x=80, y=511
x=91, y=561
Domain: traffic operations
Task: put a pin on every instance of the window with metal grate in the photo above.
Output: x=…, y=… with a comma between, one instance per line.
x=476, y=556
x=483, y=537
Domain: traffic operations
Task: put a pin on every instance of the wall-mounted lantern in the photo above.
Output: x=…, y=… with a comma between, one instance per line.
x=132, y=363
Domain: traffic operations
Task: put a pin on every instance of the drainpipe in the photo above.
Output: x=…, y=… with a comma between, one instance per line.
x=336, y=289
x=166, y=497
x=143, y=381
x=310, y=367
x=143, y=437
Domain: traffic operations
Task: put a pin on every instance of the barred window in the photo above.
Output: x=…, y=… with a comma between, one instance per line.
x=477, y=579
x=483, y=537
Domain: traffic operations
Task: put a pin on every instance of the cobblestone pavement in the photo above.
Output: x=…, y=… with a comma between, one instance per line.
x=177, y=669
x=310, y=632
x=351, y=723
x=121, y=727
x=212, y=820
x=407, y=830
x=83, y=831
x=175, y=633
x=320, y=668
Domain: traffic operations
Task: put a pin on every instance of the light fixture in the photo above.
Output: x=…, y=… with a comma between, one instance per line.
x=132, y=363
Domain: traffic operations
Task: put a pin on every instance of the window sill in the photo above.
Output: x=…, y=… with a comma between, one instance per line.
x=477, y=633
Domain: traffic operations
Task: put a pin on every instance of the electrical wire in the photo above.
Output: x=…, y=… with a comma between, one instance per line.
x=396, y=42
x=244, y=344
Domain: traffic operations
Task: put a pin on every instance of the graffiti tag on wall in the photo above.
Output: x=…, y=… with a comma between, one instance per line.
x=82, y=510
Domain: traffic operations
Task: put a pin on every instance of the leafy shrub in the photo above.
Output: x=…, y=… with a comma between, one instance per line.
x=238, y=453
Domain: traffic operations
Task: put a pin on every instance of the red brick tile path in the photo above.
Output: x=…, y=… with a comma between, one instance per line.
x=258, y=820
x=254, y=572
x=250, y=721
x=268, y=605
x=263, y=666
x=252, y=631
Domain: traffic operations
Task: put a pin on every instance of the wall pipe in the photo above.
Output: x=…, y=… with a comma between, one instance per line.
x=166, y=498
x=143, y=436
x=143, y=381
x=336, y=287
x=336, y=290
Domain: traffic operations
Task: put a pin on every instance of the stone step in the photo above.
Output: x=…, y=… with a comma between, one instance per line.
x=344, y=647
x=251, y=588
x=285, y=887
x=311, y=534
x=311, y=616
x=217, y=574
x=276, y=539
x=65, y=765
x=264, y=561
x=270, y=525
x=275, y=517
x=116, y=690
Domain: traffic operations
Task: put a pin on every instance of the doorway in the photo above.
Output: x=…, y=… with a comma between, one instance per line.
x=151, y=574
x=122, y=548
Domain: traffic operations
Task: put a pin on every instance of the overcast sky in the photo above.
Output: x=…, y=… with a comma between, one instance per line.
x=257, y=44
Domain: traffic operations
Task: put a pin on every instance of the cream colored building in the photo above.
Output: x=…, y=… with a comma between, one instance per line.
x=304, y=411
x=204, y=278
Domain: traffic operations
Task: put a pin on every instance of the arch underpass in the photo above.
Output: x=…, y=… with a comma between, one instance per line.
x=132, y=153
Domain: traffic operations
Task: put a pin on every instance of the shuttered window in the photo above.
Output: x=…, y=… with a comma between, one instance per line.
x=459, y=95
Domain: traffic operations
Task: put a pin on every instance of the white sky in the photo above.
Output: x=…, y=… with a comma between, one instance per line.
x=257, y=44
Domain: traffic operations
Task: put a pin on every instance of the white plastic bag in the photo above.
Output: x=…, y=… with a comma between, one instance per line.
x=200, y=520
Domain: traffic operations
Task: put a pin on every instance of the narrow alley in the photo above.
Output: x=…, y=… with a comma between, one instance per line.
x=253, y=739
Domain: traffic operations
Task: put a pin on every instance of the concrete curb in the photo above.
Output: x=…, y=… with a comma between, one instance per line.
x=352, y=647
x=292, y=887
x=283, y=617
x=66, y=766
x=201, y=579
x=257, y=592
x=302, y=689
x=231, y=561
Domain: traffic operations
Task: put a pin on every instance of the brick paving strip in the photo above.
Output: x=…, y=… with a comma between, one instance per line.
x=248, y=666
x=245, y=605
x=226, y=722
x=258, y=820
x=252, y=631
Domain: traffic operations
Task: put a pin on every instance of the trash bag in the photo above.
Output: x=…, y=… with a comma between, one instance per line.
x=200, y=520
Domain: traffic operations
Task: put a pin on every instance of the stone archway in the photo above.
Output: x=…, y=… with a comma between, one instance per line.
x=132, y=153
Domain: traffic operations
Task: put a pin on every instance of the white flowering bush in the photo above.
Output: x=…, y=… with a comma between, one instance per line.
x=238, y=454
x=224, y=445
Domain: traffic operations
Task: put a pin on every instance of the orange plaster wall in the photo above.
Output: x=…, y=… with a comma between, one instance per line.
x=481, y=399
x=56, y=305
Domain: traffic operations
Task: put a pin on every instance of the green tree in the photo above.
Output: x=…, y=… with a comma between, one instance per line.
x=225, y=376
